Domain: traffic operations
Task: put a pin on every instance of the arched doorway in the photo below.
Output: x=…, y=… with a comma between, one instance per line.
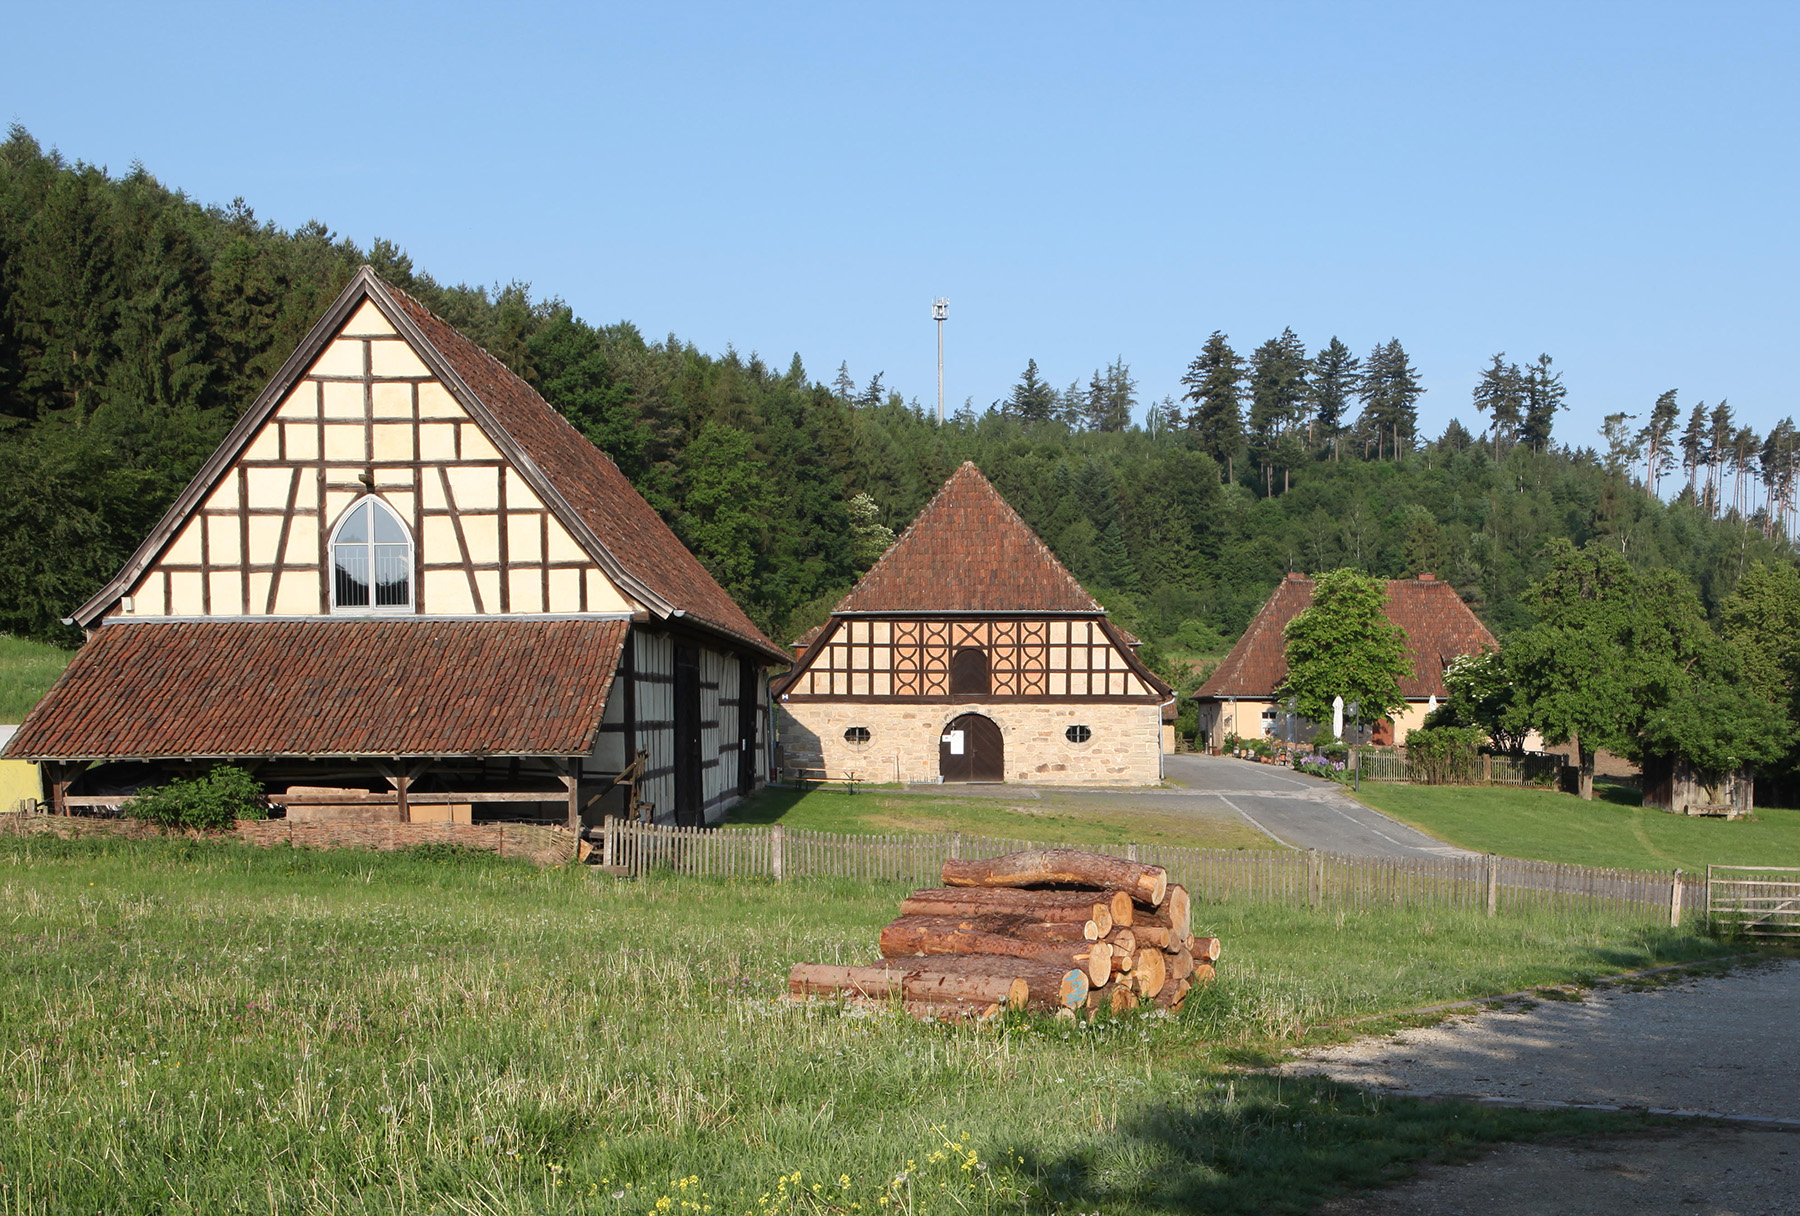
x=971, y=749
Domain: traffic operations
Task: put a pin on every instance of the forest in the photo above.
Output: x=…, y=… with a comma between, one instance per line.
x=136, y=323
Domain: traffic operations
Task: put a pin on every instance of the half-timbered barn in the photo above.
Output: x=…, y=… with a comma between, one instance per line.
x=1242, y=695
x=969, y=653
x=405, y=586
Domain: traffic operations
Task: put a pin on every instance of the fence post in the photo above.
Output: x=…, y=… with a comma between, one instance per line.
x=956, y=846
x=607, y=852
x=1675, y=901
x=1131, y=852
x=1493, y=884
x=1487, y=769
x=1313, y=884
x=776, y=860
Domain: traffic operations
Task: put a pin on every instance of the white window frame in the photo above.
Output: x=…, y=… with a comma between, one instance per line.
x=412, y=551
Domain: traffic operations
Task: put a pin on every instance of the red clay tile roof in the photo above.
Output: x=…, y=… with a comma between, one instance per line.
x=400, y=687
x=589, y=482
x=1439, y=628
x=968, y=551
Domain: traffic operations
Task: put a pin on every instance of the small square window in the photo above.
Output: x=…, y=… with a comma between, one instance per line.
x=856, y=736
x=1078, y=734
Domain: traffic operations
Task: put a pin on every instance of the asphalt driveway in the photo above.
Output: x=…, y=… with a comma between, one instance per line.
x=1306, y=812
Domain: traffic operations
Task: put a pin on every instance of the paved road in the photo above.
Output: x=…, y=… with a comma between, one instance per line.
x=1306, y=812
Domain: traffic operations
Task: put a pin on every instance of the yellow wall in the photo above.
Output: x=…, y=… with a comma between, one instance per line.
x=19, y=782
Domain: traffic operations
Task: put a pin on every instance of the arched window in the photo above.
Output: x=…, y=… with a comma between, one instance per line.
x=371, y=558
x=969, y=672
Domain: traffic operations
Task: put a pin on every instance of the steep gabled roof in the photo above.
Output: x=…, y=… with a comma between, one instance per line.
x=1439, y=628
x=403, y=686
x=968, y=551
x=581, y=485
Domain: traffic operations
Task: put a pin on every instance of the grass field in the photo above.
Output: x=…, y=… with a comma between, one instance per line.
x=197, y=1026
x=27, y=670
x=1101, y=817
x=1548, y=826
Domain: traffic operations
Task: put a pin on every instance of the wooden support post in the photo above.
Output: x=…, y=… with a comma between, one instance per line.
x=1314, y=877
x=1493, y=885
x=402, y=779
x=777, y=862
x=1675, y=901
x=572, y=782
x=1487, y=769
x=608, y=850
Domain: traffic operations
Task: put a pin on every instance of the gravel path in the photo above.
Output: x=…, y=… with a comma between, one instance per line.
x=1721, y=1045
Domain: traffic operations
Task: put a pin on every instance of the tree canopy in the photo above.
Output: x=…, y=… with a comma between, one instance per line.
x=1343, y=644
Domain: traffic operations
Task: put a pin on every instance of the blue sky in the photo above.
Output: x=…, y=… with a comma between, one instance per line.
x=1611, y=183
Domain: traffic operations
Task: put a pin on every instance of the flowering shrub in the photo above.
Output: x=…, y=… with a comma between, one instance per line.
x=1319, y=765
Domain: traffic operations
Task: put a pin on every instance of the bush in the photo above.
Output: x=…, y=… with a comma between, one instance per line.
x=208, y=803
x=1444, y=755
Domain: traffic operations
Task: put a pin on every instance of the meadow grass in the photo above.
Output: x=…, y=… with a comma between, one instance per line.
x=27, y=670
x=1610, y=831
x=205, y=1026
x=1071, y=817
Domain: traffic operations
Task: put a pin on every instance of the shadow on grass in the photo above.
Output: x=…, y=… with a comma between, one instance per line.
x=1282, y=1145
x=1618, y=793
x=767, y=806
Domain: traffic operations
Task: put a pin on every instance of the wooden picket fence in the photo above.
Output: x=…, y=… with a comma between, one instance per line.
x=1290, y=877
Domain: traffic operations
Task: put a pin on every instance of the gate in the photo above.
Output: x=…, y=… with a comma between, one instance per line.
x=1759, y=901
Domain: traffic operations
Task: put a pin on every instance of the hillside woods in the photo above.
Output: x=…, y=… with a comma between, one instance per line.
x=136, y=324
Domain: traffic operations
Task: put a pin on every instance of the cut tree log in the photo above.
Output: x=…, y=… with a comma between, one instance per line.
x=1148, y=885
x=886, y=983
x=1047, y=984
x=1205, y=949
x=1172, y=995
x=1078, y=907
x=948, y=935
x=942, y=1011
x=1203, y=973
x=1149, y=971
x=1180, y=964
x=1116, y=998
x=1124, y=940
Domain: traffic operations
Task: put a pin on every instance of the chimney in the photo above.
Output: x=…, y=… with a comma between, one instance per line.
x=1425, y=576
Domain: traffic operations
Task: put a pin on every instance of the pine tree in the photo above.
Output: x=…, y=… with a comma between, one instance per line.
x=1032, y=399
x=1500, y=394
x=843, y=385
x=1693, y=446
x=1117, y=397
x=1544, y=396
x=1390, y=397
x=1278, y=400
x=1336, y=379
x=1657, y=439
x=1716, y=452
x=1214, y=383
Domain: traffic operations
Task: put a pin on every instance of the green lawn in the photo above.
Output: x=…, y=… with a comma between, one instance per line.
x=27, y=670
x=202, y=1027
x=1609, y=831
x=1099, y=817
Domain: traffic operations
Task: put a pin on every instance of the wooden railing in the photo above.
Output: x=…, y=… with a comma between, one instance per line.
x=1480, y=882
x=1757, y=901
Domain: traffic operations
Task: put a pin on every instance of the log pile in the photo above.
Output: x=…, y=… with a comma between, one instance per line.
x=1053, y=930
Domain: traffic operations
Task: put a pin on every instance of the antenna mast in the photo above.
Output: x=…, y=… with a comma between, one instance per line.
x=939, y=308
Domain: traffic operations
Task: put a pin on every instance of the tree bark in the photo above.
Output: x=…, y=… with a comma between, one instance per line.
x=885, y=983
x=1180, y=964
x=1172, y=995
x=1074, y=906
x=948, y=935
x=1204, y=949
x=1148, y=885
x=1047, y=985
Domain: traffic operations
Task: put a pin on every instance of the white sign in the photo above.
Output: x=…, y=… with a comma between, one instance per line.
x=955, y=740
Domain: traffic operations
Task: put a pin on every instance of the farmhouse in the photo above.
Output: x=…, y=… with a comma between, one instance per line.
x=968, y=653
x=1240, y=697
x=405, y=587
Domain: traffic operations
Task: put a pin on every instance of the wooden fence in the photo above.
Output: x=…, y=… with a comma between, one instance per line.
x=1757, y=901
x=1290, y=877
x=1533, y=768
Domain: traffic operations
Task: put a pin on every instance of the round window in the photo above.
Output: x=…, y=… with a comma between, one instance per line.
x=1078, y=734
x=856, y=736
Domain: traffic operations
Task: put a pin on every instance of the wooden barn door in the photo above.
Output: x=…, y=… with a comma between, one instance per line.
x=972, y=749
x=687, y=736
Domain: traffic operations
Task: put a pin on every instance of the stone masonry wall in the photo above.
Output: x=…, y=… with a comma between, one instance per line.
x=1125, y=749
